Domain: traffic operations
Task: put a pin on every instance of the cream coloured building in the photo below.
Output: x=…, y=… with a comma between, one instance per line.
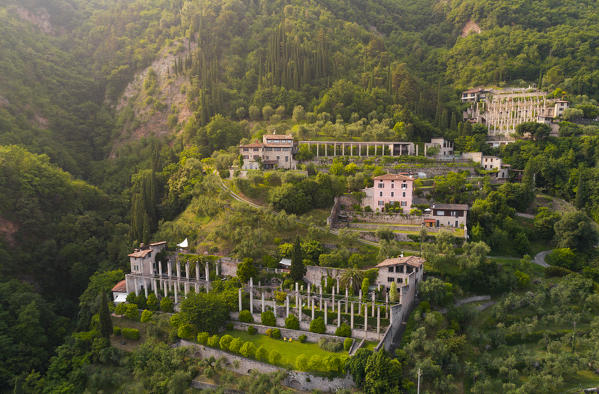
x=400, y=270
x=275, y=151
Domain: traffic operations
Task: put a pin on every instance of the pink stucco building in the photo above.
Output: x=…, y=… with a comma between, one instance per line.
x=389, y=189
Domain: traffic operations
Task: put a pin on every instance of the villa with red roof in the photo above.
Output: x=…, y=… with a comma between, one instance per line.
x=390, y=189
x=404, y=271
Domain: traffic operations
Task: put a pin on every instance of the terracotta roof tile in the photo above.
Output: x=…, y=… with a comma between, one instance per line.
x=394, y=177
x=120, y=287
x=414, y=261
x=140, y=253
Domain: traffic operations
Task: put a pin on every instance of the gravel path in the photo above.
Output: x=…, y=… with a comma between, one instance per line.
x=540, y=258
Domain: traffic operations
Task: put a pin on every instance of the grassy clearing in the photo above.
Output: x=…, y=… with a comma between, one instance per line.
x=289, y=350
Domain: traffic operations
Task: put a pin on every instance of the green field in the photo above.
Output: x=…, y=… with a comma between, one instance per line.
x=289, y=350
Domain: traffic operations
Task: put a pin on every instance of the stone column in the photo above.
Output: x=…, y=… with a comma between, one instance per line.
x=186, y=288
x=287, y=306
x=401, y=294
x=312, y=308
x=333, y=300
x=252, y=296
x=197, y=286
x=165, y=288
x=216, y=268
x=178, y=266
x=176, y=294
x=135, y=286
x=378, y=320
x=373, y=299
x=317, y=149
x=299, y=310
x=239, y=297
x=325, y=313
x=337, y=284
x=187, y=270
x=309, y=288
x=339, y=314
x=160, y=269
x=169, y=268
x=360, y=302
x=263, y=306
x=296, y=294
x=346, y=299
x=207, y=272
x=365, y=321
x=145, y=287
x=320, y=299
x=155, y=287
x=387, y=305
x=352, y=316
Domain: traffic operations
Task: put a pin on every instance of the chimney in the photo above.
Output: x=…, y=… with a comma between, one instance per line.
x=401, y=255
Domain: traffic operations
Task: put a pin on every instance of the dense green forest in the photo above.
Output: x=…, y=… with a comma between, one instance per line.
x=83, y=177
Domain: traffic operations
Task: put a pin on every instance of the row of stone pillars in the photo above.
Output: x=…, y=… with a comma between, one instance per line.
x=312, y=303
x=187, y=270
x=167, y=285
x=343, y=145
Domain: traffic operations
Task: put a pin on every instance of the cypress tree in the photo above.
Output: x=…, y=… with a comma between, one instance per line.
x=582, y=189
x=298, y=270
x=105, y=321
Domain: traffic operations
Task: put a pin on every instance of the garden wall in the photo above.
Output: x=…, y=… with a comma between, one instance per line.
x=295, y=379
x=314, y=273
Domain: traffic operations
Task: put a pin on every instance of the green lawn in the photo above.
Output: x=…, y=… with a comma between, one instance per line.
x=289, y=350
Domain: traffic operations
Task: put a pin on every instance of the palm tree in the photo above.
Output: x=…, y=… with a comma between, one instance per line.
x=352, y=279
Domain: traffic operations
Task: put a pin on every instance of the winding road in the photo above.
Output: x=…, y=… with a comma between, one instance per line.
x=540, y=258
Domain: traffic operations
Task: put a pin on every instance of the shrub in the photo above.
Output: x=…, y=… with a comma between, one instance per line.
x=252, y=330
x=229, y=326
x=130, y=298
x=554, y=270
x=347, y=344
x=130, y=333
x=116, y=331
x=315, y=363
x=274, y=357
x=120, y=309
x=344, y=330
x=274, y=333
x=235, y=345
x=246, y=317
x=301, y=362
x=248, y=350
x=317, y=325
x=302, y=338
x=166, y=305
x=292, y=322
x=262, y=354
x=186, y=331
x=330, y=346
x=146, y=315
x=140, y=300
x=152, y=302
x=268, y=318
x=203, y=338
x=225, y=341
x=131, y=312
x=213, y=341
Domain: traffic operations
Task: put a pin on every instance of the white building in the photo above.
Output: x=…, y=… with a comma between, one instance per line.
x=446, y=215
x=445, y=147
x=489, y=163
x=275, y=151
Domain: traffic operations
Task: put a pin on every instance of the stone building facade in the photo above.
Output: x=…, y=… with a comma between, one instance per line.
x=400, y=270
x=275, y=151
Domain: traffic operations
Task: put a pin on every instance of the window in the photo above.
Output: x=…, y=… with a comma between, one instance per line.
x=246, y=149
x=404, y=185
x=403, y=194
x=404, y=203
x=381, y=185
x=392, y=185
x=278, y=157
x=392, y=194
x=380, y=194
x=381, y=203
x=390, y=269
x=389, y=279
x=440, y=213
x=286, y=158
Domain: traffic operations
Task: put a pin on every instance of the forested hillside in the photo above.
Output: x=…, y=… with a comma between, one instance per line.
x=112, y=113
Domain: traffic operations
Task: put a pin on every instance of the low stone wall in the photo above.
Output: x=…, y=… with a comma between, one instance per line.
x=315, y=273
x=295, y=379
x=373, y=217
x=228, y=267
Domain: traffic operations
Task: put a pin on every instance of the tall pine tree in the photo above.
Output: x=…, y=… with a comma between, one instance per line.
x=298, y=270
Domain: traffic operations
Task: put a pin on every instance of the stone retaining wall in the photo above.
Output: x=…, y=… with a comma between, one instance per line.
x=295, y=379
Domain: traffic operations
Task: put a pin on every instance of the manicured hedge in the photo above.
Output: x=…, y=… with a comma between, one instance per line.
x=246, y=317
x=130, y=333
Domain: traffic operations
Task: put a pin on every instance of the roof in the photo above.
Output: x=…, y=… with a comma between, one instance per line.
x=120, y=287
x=285, y=262
x=392, y=177
x=474, y=90
x=279, y=136
x=140, y=253
x=252, y=145
x=414, y=261
x=454, y=207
